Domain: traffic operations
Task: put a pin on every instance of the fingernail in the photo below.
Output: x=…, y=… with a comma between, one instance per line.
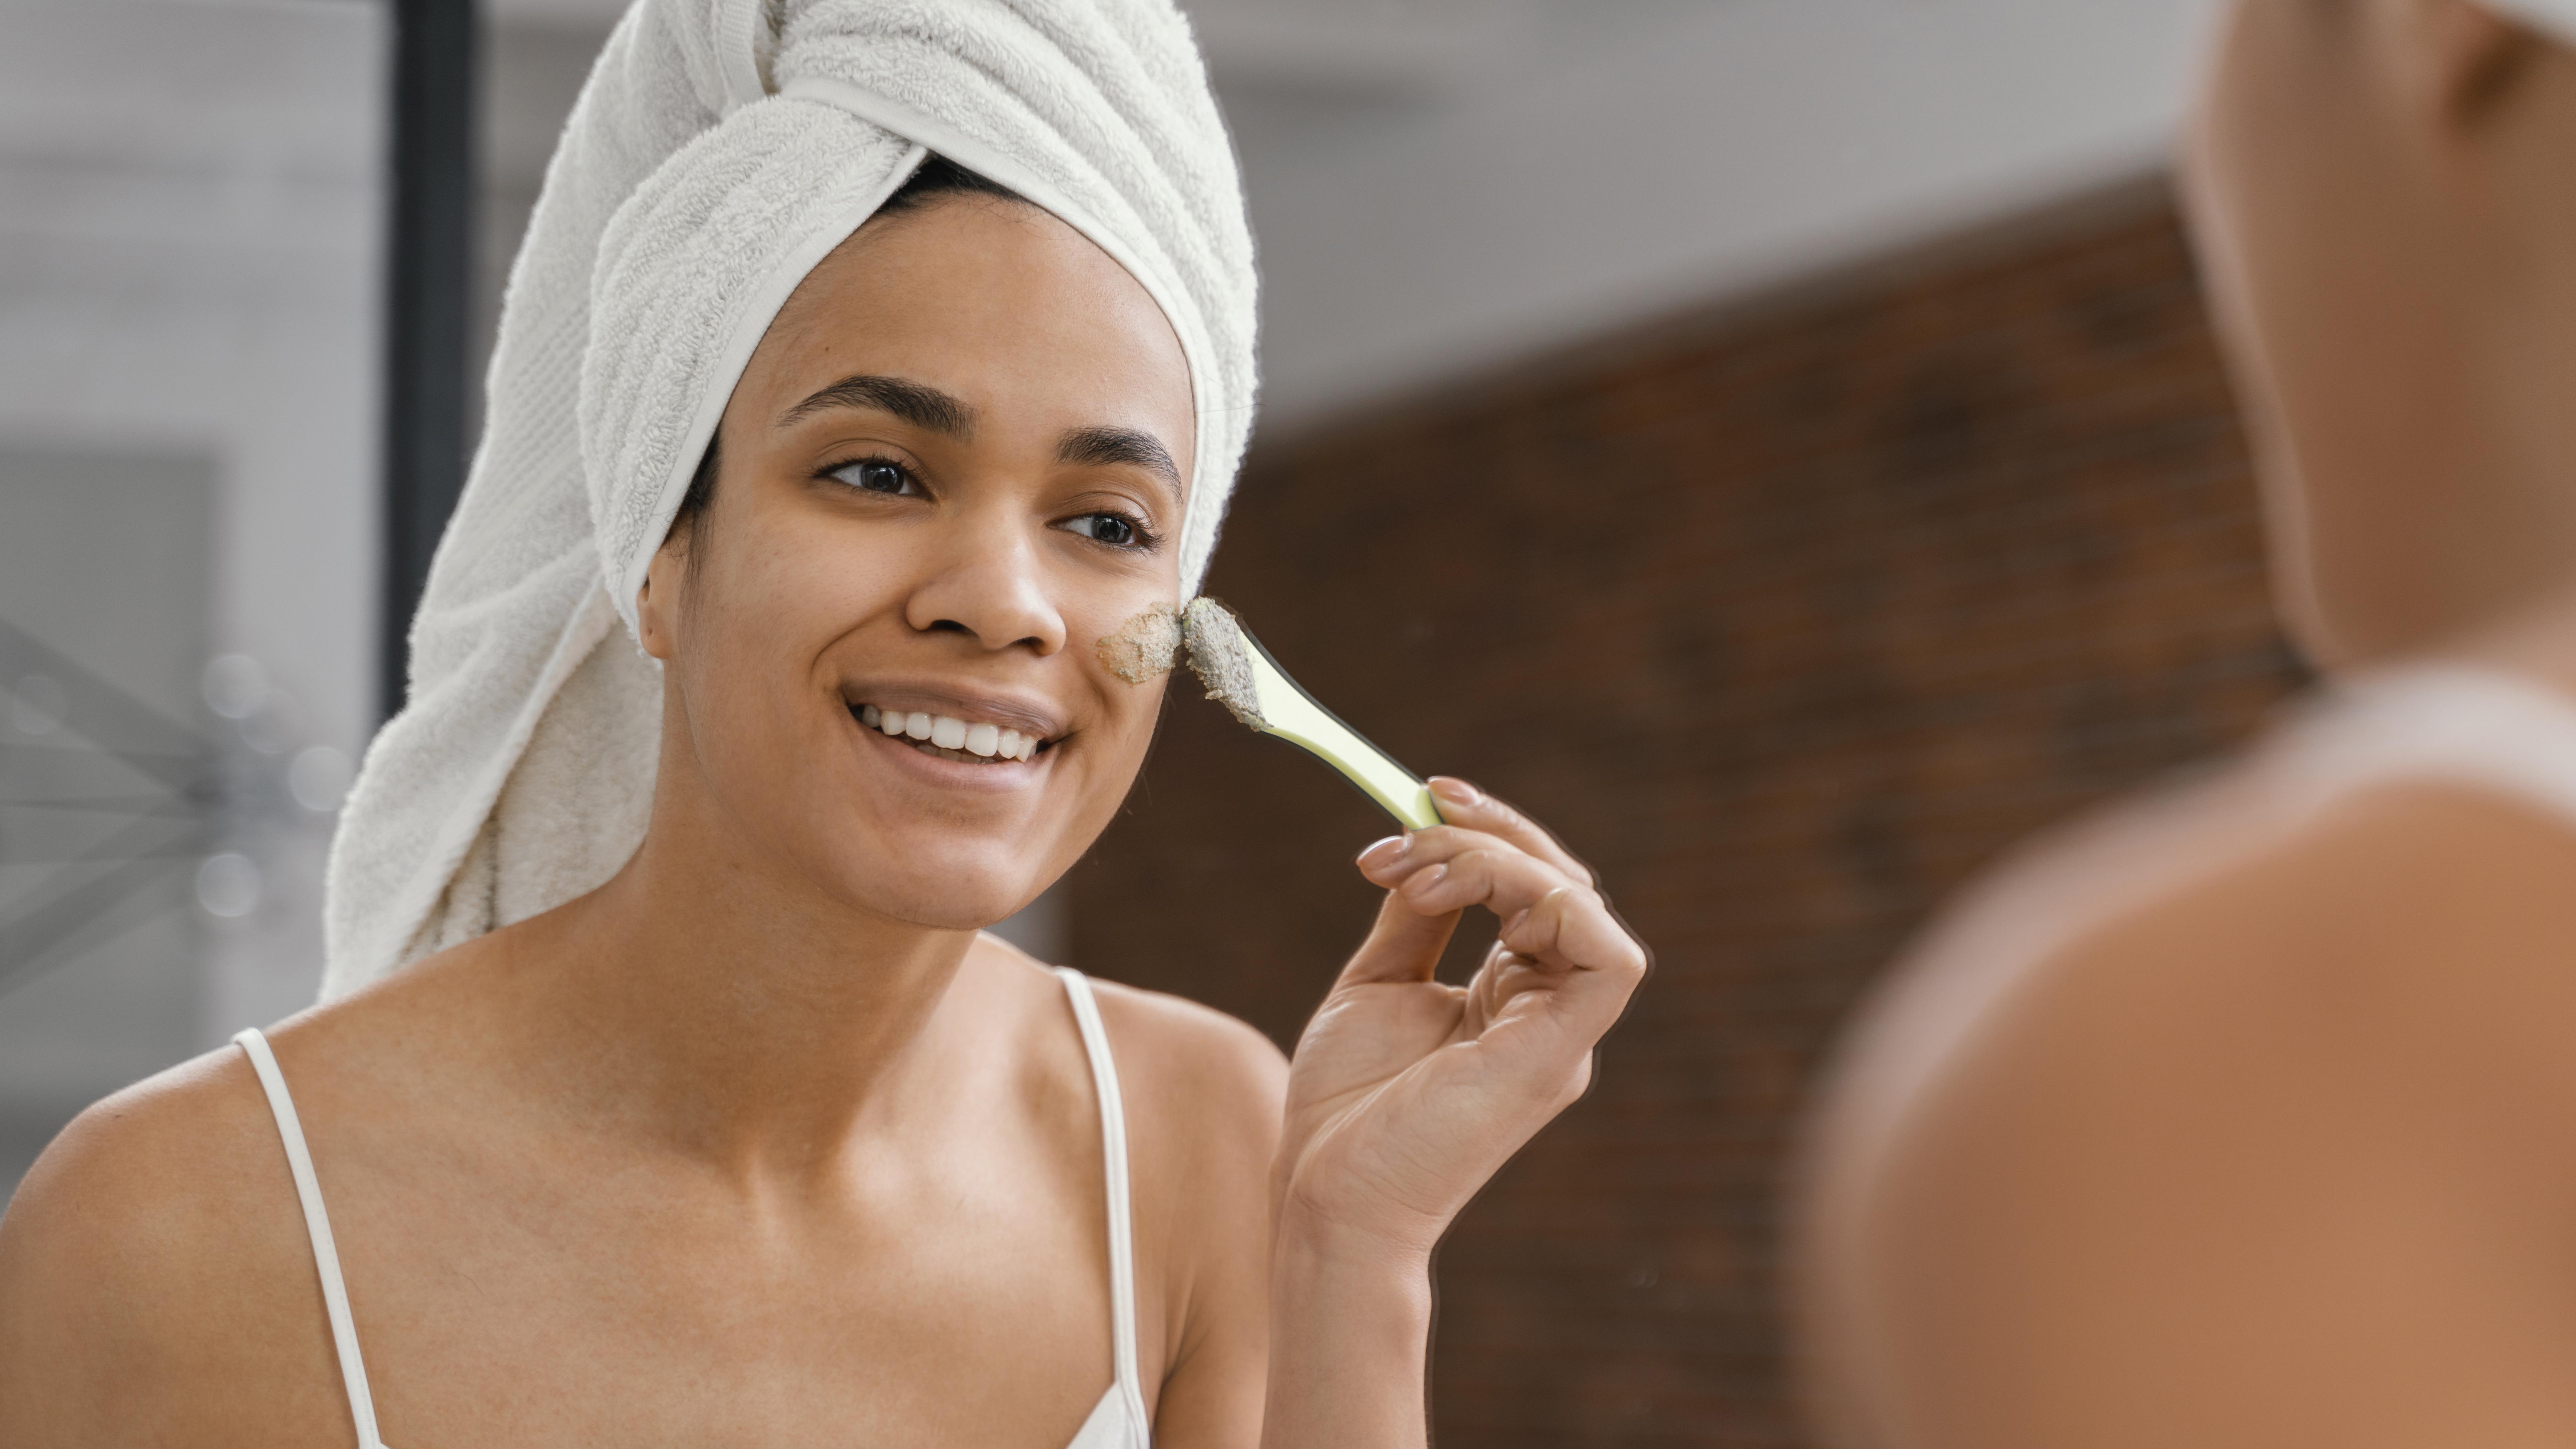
x=1456, y=791
x=1386, y=852
x=1424, y=880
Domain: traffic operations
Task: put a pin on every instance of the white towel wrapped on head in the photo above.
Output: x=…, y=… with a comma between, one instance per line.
x=719, y=151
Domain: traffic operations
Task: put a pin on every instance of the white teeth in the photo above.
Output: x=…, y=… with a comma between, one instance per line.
x=986, y=741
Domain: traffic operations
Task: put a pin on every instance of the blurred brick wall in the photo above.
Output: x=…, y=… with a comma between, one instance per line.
x=1789, y=619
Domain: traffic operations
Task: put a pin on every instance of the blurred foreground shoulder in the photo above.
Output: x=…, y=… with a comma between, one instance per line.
x=2282, y=1154
x=137, y=1260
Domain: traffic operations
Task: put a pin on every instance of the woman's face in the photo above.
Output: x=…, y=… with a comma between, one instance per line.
x=958, y=459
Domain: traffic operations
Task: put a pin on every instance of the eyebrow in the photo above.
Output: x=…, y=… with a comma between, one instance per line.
x=916, y=403
x=1102, y=447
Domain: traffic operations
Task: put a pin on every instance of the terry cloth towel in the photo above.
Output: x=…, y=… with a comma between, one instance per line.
x=719, y=151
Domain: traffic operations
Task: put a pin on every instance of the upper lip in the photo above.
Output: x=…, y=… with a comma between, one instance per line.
x=1028, y=715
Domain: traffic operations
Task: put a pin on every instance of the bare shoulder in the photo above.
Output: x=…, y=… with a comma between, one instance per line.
x=135, y=1183
x=1181, y=1065
x=141, y=1260
x=1192, y=1059
x=1205, y=1097
x=2316, y=1093
x=2433, y=916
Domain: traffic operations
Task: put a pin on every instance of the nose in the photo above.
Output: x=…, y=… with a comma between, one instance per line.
x=989, y=585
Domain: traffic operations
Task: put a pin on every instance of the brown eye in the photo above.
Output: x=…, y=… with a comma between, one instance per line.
x=1124, y=532
x=876, y=475
x=1108, y=528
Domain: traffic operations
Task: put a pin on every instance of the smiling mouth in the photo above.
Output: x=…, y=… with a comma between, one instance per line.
x=974, y=742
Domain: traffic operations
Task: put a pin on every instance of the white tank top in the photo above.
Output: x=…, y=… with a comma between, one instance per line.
x=2454, y=723
x=1118, y=1422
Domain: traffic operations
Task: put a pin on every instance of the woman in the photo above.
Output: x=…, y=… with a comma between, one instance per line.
x=2245, y=1116
x=667, y=1093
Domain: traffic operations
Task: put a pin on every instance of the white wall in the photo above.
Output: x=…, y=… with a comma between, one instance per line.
x=104, y=559
x=1606, y=172
x=1438, y=186
x=188, y=258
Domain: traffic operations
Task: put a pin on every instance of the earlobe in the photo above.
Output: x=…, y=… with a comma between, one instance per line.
x=652, y=630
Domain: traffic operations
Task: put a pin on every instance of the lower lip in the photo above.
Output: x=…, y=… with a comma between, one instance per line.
x=955, y=774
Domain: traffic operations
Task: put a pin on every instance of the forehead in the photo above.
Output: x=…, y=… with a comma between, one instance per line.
x=995, y=302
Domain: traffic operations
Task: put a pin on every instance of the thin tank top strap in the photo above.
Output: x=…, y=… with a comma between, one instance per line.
x=1113, y=1152
x=317, y=1227
x=2452, y=722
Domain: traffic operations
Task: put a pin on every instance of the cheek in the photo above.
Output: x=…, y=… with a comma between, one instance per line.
x=2220, y=146
x=2227, y=278
x=1122, y=740
x=1143, y=709
x=796, y=586
x=2250, y=185
x=766, y=609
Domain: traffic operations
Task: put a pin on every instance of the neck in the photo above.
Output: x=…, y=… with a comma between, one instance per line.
x=2538, y=642
x=732, y=1012
x=2434, y=438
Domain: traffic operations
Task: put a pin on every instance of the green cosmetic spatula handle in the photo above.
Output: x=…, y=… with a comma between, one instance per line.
x=1288, y=712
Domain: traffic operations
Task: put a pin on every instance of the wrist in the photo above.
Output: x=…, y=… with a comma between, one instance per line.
x=1313, y=1244
x=1350, y=1331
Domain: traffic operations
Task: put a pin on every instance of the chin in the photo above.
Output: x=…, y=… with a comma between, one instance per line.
x=953, y=912
x=966, y=886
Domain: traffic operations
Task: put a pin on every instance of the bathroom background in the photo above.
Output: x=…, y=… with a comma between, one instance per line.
x=1776, y=441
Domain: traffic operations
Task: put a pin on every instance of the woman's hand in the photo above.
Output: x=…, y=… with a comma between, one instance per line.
x=1405, y=1094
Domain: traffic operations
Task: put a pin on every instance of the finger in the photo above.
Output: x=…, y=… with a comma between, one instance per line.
x=1583, y=963
x=1447, y=867
x=1575, y=930
x=1398, y=858
x=1542, y=1025
x=1463, y=804
x=1482, y=871
x=1404, y=945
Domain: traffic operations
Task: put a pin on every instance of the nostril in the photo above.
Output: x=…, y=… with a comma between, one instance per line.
x=948, y=626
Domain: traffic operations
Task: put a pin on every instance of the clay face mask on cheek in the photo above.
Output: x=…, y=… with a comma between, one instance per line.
x=1144, y=646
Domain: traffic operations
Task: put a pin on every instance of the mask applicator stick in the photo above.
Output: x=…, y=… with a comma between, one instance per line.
x=1242, y=676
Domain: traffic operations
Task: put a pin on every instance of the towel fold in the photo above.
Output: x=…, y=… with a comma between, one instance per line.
x=720, y=149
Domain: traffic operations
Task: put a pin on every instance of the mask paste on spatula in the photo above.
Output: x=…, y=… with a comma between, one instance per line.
x=1242, y=676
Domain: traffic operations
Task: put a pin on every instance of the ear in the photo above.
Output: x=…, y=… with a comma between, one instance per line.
x=657, y=603
x=2467, y=57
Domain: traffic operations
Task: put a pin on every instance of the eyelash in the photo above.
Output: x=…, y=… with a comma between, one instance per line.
x=834, y=473
x=1144, y=538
